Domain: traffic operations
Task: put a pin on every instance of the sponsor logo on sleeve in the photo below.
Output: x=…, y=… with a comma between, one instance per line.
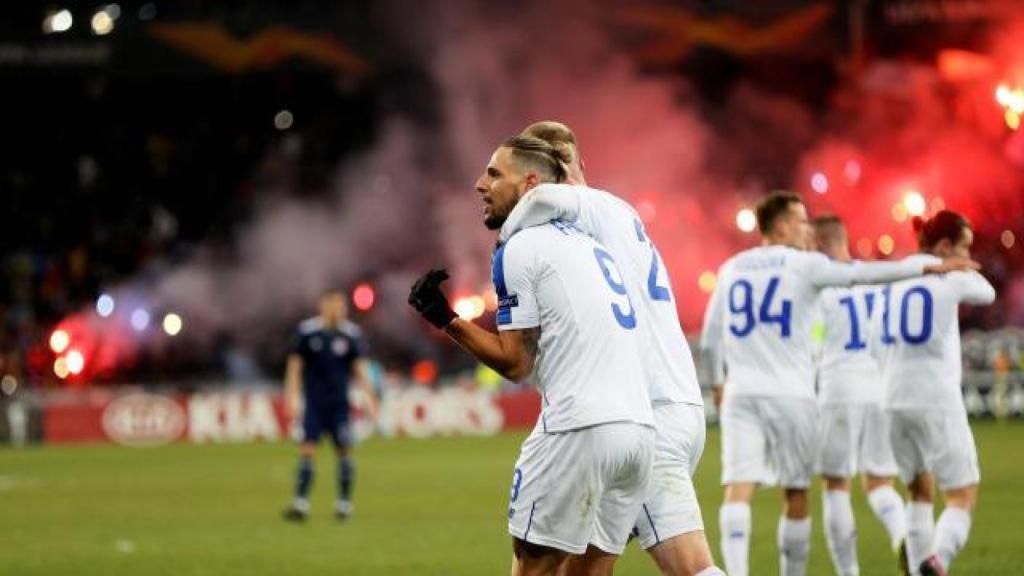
x=510, y=301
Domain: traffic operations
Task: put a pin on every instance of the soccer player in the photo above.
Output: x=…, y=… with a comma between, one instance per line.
x=918, y=344
x=564, y=316
x=670, y=526
x=854, y=431
x=758, y=326
x=327, y=353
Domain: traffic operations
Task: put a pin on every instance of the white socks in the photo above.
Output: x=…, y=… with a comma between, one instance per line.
x=794, y=546
x=711, y=571
x=951, y=533
x=920, y=529
x=734, y=522
x=840, y=532
x=301, y=504
x=888, y=507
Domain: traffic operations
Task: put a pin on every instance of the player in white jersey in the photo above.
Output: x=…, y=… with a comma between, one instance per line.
x=564, y=316
x=917, y=340
x=758, y=327
x=854, y=433
x=670, y=527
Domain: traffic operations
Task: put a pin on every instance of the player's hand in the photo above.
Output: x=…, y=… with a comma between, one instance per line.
x=952, y=264
x=428, y=299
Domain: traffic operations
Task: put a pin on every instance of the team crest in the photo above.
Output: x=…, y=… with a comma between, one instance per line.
x=339, y=346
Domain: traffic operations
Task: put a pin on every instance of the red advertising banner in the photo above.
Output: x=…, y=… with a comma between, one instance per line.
x=148, y=419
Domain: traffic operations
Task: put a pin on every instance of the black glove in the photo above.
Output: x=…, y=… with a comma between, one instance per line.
x=426, y=297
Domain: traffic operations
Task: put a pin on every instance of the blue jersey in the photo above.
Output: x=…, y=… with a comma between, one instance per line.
x=328, y=357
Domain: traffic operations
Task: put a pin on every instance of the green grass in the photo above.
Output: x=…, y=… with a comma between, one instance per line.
x=425, y=507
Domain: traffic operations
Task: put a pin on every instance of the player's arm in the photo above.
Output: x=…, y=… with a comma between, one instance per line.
x=292, y=384
x=543, y=204
x=510, y=353
x=712, y=339
x=972, y=288
x=363, y=380
x=823, y=272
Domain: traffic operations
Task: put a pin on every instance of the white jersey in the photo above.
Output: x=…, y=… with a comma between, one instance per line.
x=847, y=371
x=588, y=365
x=759, y=320
x=667, y=360
x=917, y=337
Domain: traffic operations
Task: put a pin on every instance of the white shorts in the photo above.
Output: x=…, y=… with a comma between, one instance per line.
x=855, y=440
x=936, y=441
x=671, y=507
x=769, y=440
x=581, y=487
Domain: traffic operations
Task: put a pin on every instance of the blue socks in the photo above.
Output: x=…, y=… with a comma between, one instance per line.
x=304, y=478
x=346, y=477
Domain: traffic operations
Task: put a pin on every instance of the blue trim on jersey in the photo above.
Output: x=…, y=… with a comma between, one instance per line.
x=498, y=278
x=529, y=523
x=657, y=540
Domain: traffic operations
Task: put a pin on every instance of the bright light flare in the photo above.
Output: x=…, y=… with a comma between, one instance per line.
x=363, y=297
x=102, y=23
x=707, y=281
x=59, y=341
x=57, y=21
x=105, y=305
x=470, y=307
x=1011, y=99
x=886, y=244
x=172, y=324
x=139, y=319
x=899, y=212
x=60, y=368
x=1008, y=239
x=819, y=182
x=75, y=362
x=914, y=202
x=746, y=220
x=1012, y=119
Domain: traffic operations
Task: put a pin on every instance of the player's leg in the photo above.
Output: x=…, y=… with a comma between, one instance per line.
x=670, y=527
x=535, y=560
x=878, y=470
x=624, y=455
x=311, y=429
x=793, y=448
x=907, y=436
x=956, y=471
x=744, y=452
x=544, y=515
x=836, y=464
x=341, y=435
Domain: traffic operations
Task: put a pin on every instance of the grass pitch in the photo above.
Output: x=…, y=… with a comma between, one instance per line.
x=424, y=507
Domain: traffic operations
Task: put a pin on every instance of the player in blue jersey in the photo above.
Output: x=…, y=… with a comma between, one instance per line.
x=328, y=352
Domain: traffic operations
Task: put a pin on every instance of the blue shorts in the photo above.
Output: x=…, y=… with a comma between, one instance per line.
x=334, y=422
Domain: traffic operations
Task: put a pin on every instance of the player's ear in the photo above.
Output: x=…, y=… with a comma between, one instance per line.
x=944, y=248
x=531, y=181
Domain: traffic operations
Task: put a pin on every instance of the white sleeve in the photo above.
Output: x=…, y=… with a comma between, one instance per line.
x=512, y=272
x=713, y=334
x=543, y=204
x=823, y=272
x=971, y=288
